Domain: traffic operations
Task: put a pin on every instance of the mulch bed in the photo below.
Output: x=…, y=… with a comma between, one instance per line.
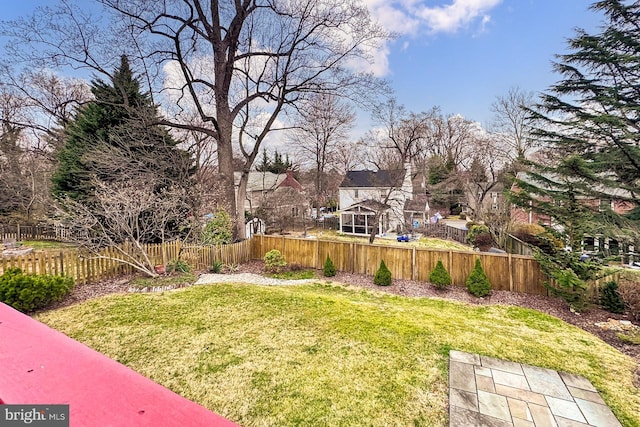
x=553, y=306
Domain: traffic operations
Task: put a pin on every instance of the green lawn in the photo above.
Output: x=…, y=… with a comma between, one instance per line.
x=329, y=355
x=45, y=245
x=423, y=242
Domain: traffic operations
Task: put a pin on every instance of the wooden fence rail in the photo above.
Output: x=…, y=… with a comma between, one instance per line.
x=86, y=268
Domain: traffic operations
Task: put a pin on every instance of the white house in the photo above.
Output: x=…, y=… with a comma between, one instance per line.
x=364, y=193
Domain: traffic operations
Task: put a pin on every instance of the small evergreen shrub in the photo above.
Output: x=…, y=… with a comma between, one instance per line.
x=478, y=284
x=274, y=261
x=383, y=275
x=611, y=299
x=439, y=276
x=28, y=292
x=329, y=269
x=178, y=266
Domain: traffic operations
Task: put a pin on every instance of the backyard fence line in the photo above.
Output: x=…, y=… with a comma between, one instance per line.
x=444, y=231
x=508, y=272
x=32, y=232
x=86, y=268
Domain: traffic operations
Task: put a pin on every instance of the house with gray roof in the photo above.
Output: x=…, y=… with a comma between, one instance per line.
x=365, y=194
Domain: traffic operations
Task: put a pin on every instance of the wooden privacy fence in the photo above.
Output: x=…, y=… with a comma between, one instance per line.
x=86, y=268
x=505, y=271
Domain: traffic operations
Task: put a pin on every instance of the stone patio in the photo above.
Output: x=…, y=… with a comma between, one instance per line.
x=484, y=391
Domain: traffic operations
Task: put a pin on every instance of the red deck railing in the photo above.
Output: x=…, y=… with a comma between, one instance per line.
x=39, y=365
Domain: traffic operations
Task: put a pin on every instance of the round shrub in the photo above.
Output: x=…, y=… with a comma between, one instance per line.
x=478, y=284
x=439, y=276
x=329, y=270
x=484, y=241
x=274, y=261
x=28, y=292
x=610, y=298
x=218, y=231
x=474, y=231
x=383, y=275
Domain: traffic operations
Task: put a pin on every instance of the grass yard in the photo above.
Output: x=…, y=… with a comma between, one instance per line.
x=46, y=245
x=329, y=355
x=423, y=242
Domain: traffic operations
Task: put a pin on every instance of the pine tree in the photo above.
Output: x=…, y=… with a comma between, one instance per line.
x=116, y=137
x=439, y=276
x=590, y=121
x=383, y=275
x=329, y=270
x=477, y=283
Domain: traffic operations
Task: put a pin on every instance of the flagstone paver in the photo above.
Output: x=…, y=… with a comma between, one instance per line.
x=489, y=392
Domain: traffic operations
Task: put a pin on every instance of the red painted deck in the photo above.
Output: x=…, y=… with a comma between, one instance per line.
x=39, y=365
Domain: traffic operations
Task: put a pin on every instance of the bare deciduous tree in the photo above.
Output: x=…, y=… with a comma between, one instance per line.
x=321, y=131
x=511, y=122
x=241, y=65
x=123, y=216
x=450, y=138
x=483, y=173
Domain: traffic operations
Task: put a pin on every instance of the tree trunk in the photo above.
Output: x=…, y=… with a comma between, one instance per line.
x=225, y=168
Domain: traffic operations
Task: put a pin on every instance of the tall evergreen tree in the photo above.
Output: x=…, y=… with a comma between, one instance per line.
x=591, y=121
x=115, y=137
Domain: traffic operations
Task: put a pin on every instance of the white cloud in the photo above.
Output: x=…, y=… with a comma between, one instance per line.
x=415, y=17
x=410, y=17
x=460, y=13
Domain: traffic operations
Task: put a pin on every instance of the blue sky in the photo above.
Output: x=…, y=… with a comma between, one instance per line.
x=459, y=54
x=475, y=50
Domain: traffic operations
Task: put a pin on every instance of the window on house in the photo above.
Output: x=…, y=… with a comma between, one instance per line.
x=356, y=193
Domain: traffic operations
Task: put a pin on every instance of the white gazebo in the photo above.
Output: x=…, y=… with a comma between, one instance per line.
x=359, y=219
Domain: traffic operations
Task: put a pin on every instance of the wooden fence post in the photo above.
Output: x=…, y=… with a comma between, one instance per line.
x=510, y=273
x=413, y=264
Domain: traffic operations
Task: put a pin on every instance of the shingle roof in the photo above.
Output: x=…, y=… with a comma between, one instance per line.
x=260, y=181
x=366, y=178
